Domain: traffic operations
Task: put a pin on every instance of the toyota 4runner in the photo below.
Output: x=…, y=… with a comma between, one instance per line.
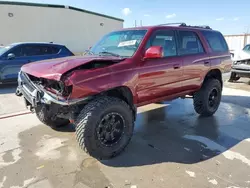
x=100, y=92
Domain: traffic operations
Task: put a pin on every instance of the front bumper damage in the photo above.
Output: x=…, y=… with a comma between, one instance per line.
x=35, y=95
x=241, y=68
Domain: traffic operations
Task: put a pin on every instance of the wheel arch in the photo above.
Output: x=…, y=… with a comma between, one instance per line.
x=124, y=93
x=216, y=74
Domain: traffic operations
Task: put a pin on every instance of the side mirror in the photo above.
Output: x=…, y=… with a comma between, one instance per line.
x=154, y=52
x=11, y=56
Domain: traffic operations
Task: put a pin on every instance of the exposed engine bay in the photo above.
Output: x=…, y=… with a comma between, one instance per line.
x=58, y=87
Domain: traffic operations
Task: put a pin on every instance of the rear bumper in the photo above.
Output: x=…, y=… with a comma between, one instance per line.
x=35, y=95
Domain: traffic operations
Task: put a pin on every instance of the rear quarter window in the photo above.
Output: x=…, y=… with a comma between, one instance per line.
x=65, y=50
x=216, y=41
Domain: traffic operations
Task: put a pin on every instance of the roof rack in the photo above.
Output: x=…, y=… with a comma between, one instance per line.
x=178, y=23
x=181, y=24
x=199, y=26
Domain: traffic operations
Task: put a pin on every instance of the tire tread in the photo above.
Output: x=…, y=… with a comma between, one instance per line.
x=199, y=97
x=88, y=112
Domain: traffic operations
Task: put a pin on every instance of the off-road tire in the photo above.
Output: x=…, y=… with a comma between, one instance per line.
x=201, y=98
x=234, y=77
x=89, y=119
x=48, y=118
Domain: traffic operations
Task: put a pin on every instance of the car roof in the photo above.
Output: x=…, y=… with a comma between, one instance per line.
x=42, y=43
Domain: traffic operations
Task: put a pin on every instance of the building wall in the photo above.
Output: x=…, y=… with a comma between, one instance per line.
x=237, y=42
x=77, y=30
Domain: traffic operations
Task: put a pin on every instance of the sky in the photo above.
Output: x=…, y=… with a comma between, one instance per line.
x=227, y=16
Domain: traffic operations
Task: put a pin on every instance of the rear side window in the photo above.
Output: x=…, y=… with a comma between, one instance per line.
x=189, y=43
x=216, y=41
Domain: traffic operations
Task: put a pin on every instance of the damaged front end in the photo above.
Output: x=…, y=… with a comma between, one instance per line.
x=53, y=94
x=241, y=67
x=64, y=86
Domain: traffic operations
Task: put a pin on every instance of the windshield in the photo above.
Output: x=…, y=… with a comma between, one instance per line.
x=4, y=49
x=247, y=48
x=119, y=43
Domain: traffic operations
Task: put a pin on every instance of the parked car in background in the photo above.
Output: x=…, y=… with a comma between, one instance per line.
x=14, y=56
x=241, y=64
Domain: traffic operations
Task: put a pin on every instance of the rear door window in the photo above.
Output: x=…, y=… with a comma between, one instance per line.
x=32, y=50
x=189, y=43
x=46, y=50
x=216, y=41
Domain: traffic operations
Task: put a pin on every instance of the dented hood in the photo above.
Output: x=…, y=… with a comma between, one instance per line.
x=54, y=68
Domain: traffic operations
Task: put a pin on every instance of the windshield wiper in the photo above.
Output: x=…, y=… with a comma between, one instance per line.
x=110, y=53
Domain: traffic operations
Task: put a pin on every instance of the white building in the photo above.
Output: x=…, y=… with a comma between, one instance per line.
x=237, y=42
x=76, y=28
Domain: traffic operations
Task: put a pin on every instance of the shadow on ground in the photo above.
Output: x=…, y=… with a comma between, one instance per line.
x=175, y=133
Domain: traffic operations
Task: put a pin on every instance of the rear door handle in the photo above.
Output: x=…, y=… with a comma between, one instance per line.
x=176, y=66
x=206, y=62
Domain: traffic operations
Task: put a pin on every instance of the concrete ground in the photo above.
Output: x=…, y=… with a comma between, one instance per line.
x=171, y=147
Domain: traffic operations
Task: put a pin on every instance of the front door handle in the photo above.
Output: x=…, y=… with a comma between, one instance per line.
x=206, y=62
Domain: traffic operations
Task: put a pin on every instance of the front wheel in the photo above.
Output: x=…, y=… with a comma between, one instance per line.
x=104, y=127
x=207, y=99
x=48, y=118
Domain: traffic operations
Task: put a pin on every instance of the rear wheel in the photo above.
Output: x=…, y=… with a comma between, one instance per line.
x=48, y=118
x=104, y=127
x=234, y=77
x=207, y=99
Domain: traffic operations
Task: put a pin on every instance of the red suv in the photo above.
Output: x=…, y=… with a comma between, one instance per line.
x=101, y=91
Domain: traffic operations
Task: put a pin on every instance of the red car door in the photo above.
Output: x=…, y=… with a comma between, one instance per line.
x=195, y=59
x=160, y=77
